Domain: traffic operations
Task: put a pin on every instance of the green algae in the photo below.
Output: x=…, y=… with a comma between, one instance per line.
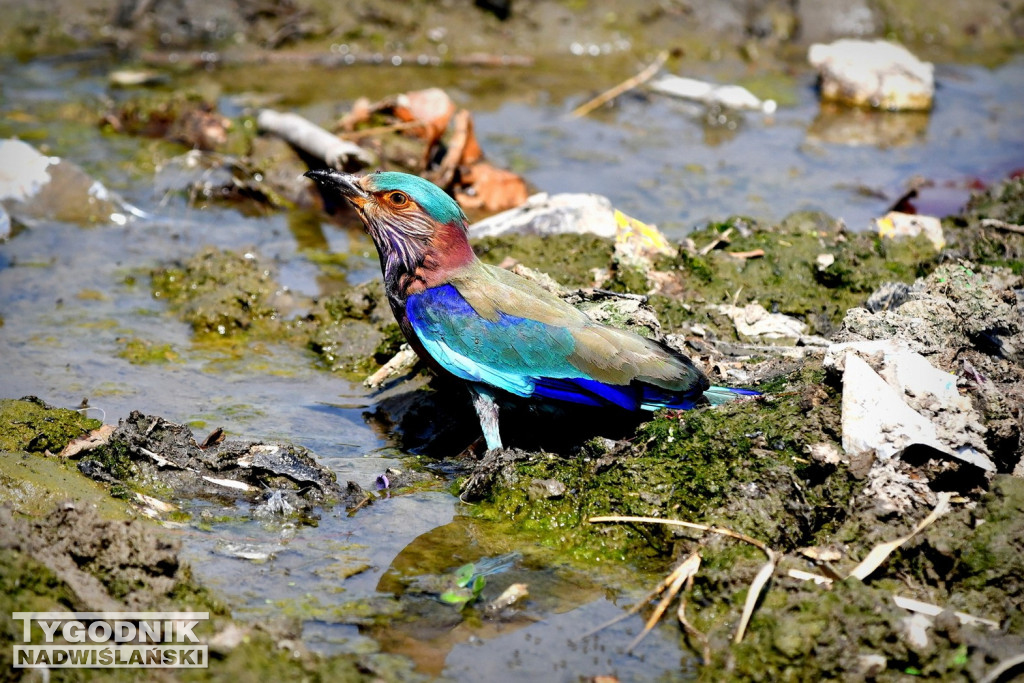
x=237, y=309
x=33, y=485
x=29, y=581
x=353, y=332
x=570, y=258
x=145, y=352
x=219, y=292
x=979, y=233
x=974, y=556
x=788, y=278
x=693, y=465
x=31, y=425
x=968, y=561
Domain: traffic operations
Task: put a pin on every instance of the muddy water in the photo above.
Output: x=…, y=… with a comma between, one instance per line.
x=71, y=296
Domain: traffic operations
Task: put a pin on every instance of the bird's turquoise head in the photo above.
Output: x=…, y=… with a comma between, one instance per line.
x=408, y=217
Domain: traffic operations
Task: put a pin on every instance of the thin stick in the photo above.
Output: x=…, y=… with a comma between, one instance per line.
x=626, y=85
x=756, y=585
x=724, y=237
x=381, y=130
x=1002, y=225
x=722, y=531
x=753, y=594
x=312, y=139
x=744, y=255
x=692, y=630
x=665, y=583
x=678, y=577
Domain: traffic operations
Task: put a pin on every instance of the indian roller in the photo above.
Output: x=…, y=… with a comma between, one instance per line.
x=496, y=330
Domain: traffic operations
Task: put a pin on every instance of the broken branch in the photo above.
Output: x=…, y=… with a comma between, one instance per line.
x=625, y=86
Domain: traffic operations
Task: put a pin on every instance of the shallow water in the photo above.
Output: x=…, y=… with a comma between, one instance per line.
x=68, y=294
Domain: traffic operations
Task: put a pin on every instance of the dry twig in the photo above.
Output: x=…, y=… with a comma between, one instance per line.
x=675, y=580
x=881, y=552
x=303, y=134
x=720, y=239
x=1002, y=225
x=628, y=84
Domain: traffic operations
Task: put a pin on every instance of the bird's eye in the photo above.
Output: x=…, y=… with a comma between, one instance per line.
x=398, y=199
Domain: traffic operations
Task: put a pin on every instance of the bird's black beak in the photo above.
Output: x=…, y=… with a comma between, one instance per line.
x=336, y=182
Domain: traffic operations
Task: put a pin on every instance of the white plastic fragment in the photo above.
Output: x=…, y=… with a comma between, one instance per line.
x=230, y=483
x=875, y=418
x=873, y=73
x=928, y=609
x=896, y=224
x=908, y=402
x=23, y=170
x=754, y=320
x=728, y=96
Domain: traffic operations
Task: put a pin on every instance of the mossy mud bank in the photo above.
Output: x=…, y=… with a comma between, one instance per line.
x=771, y=468
x=72, y=543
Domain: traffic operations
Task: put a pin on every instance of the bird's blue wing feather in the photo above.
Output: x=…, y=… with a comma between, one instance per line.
x=522, y=356
x=511, y=353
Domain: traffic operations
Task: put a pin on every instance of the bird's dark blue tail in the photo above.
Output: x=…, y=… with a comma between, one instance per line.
x=716, y=396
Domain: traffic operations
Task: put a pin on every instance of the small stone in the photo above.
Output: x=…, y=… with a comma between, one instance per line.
x=825, y=453
x=872, y=664
x=873, y=73
x=541, y=489
x=896, y=225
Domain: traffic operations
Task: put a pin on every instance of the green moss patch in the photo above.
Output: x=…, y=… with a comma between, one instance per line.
x=219, y=292
x=790, y=277
x=736, y=465
x=569, y=258
x=31, y=425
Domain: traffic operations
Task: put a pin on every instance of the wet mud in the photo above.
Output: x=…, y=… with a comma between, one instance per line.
x=92, y=515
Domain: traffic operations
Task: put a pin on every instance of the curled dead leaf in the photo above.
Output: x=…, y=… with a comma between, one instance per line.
x=493, y=189
x=94, y=439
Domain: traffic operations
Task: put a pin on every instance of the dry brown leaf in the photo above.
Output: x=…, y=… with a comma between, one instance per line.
x=94, y=439
x=432, y=107
x=494, y=189
x=463, y=149
x=881, y=552
x=360, y=112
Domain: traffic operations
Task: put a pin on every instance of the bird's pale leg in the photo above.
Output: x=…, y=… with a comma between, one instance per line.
x=487, y=410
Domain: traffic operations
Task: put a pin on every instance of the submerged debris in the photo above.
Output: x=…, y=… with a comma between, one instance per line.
x=145, y=447
x=35, y=187
x=712, y=94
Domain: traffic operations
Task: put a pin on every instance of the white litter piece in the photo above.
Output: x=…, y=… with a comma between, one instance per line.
x=873, y=73
x=728, y=96
x=754, y=320
x=908, y=402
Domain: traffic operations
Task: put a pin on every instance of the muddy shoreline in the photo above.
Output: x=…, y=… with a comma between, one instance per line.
x=97, y=516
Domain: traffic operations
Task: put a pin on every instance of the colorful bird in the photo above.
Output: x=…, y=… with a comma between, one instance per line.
x=497, y=331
